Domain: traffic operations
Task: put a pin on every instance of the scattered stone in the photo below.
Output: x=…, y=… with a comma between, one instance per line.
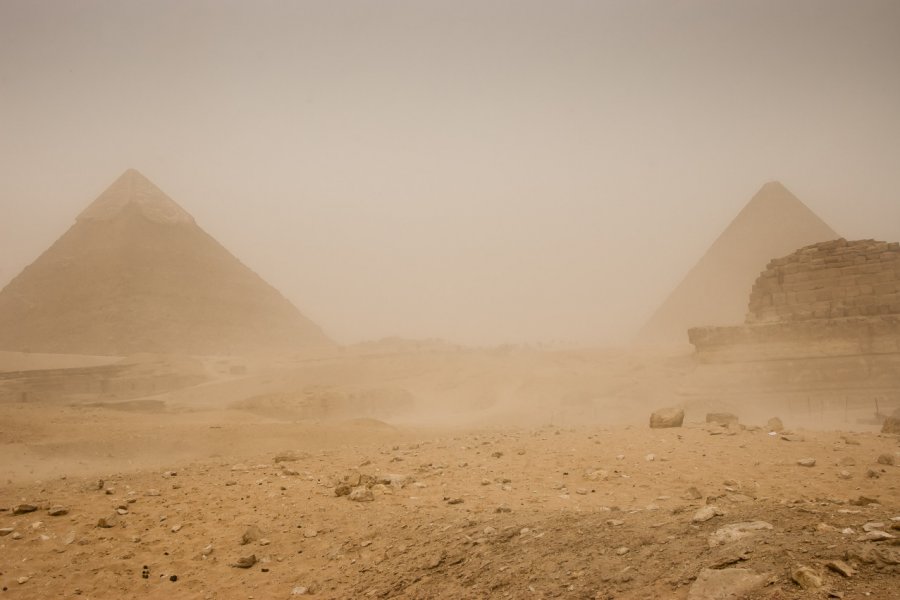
x=840, y=567
x=22, y=580
x=667, y=417
x=251, y=534
x=863, y=501
x=108, y=522
x=885, y=459
x=342, y=489
x=848, y=461
x=176, y=528
x=873, y=474
x=622, y=551
x=650, y=457
x=706, y=513
x=152, y=492
x=845, y=475
x=775, y=424
x=299, y=590
x=806, y=578
x=244, y=562
x=693, y=493
x=455, y=501
x=23, y=509
x=725, y=584
x=361, y=494
x=737, y=531
x=6, y=531
x=722, y=418
x=807, y=462
x=875, y=536
x=57, y=511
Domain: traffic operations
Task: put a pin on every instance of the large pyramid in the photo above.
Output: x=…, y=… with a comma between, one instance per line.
x=136, y=274
x=715, y=291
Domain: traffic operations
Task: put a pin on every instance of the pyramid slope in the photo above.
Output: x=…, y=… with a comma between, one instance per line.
x=136, y=274
x=717, y=288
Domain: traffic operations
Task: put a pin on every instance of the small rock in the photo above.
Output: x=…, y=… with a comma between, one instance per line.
x=22, y=509
x=848, y=461
x=873, y=474
x=250, y=535
x=667, y=417
x=22, y=580
x=622, y=550
x=650, y=457
x=775, y=424
x=107, y=522
x=885, y=459
x=57, y=511
x=806, y=578
x=176, y=528
x=244, y=562
x=725, y=584
x=807, y=462
x=361, y=494
x=845, y=475
x=840, y=567
x=705, y=514
x=737, y=531
x=299, y=591
x=342, y=489
x=6, y=531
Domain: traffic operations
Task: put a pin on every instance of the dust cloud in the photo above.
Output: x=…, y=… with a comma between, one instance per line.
x=441, y=300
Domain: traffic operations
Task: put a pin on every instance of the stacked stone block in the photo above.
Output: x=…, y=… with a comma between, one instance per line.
x=829, y=280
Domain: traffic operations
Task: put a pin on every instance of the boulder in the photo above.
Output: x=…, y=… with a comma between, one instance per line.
x=667, y=417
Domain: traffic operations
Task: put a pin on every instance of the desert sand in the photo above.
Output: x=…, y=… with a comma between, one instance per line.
x=494, y=473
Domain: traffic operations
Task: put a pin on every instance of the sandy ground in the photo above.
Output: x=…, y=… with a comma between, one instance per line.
x=385, y=508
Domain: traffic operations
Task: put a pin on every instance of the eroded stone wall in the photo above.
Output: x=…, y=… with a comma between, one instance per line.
x=829, y=280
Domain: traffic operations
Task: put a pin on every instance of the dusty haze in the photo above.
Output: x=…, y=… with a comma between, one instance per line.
x=483, y=172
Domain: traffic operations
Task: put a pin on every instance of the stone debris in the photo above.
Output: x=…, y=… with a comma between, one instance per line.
x=244, y=562
x=706, y=513
x=737, y=531
x=361, y=494
x=666, y=418
x=108, y=522
x=251, y=534
x=725, y=584
x=840, y=567
x=807, y=462
x=57, y=511
x=806, y=578
x=23, y=509
x=885, y=459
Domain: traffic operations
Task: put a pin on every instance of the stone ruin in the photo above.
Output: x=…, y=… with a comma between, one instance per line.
x=822, y=331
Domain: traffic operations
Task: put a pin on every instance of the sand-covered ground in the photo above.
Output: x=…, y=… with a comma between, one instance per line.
x=203, y=493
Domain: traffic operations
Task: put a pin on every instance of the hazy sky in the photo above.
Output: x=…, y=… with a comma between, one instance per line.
x=484, y=171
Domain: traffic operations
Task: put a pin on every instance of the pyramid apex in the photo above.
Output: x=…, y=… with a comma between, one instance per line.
x=132, y=190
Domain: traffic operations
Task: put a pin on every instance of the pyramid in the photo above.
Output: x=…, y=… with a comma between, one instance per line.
x=715, y=291
x=136, y=274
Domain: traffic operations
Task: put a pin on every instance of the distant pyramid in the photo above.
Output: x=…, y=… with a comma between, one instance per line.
x=136, y=274
x=715, y=291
